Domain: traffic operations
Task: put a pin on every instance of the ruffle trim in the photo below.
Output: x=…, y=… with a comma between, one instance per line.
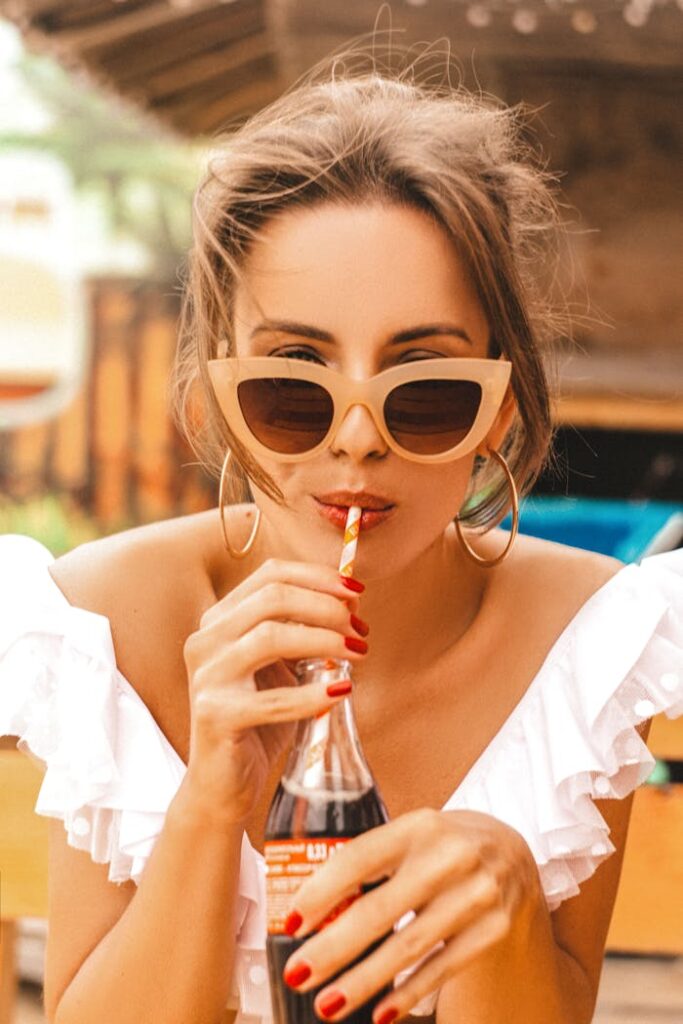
x=573, y=735
x=105, y=773
x=109, y=771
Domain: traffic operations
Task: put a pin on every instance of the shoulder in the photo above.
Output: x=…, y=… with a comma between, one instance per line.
x=152, y=583
x=165, y=561
x=542, y=586
x=552, y=571
x=545, y=574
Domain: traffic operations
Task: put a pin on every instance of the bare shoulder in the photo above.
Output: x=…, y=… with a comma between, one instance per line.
x=556, y=580
x=535, y=556
x=152, y=583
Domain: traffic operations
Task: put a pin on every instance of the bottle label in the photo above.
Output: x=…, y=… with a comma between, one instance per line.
x=288, y=863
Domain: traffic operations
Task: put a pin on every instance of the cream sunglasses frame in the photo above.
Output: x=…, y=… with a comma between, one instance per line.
x=492, y=375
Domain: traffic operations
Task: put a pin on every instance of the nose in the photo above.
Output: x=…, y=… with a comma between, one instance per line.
x=358, y=436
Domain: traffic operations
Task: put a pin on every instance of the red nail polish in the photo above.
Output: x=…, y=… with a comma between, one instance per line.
x=359, y=626
x=391, y=1013
x=297, y=975
x=352, y=584
x=293, y=922
x=340, y=689
x=359, y=646
x=331, y=1003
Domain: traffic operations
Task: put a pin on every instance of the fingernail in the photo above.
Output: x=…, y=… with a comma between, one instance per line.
x=359, y=646
x=340, y=689
x=359, y=626
x=293, y=922
x=297, y=975
x=391, y=1013
x=352, y=584
x=331, y=1003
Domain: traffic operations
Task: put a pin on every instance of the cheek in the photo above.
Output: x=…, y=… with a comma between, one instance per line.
x=447, y=484
x=295, y=482
x=293, y=479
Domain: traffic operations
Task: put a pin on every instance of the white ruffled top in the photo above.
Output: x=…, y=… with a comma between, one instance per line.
x=110, y=772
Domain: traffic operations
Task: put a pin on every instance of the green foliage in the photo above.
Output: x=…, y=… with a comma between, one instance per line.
x=143, y=177
x=55, y=520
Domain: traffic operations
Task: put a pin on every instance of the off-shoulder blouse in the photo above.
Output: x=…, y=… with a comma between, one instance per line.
x=110, y=773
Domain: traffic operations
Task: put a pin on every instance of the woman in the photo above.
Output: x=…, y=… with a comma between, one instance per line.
x=502, y=686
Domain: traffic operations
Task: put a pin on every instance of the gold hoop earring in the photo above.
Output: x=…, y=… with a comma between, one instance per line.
x=242, y=552
x=488, y=563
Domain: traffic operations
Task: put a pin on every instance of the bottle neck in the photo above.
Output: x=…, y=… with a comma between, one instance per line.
x=327, y=755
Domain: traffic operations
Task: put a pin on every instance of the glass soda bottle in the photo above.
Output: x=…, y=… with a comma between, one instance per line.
x=326, y=796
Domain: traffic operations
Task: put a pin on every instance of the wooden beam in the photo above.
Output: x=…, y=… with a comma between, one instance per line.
x=226, y=83
x=123, y=23
x=148, y=53
x=203, y=68
x=206, y=118
x=29, y=8
x=69, y=464
x=154, y=349
x=614, y=412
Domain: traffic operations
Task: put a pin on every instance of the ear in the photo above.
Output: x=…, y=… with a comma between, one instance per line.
x=501, y=425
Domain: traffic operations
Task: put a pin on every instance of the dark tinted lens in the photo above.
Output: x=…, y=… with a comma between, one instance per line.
x=287, y=416
x=428, y=417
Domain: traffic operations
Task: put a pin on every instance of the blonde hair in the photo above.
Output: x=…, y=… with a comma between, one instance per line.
x=351, y=135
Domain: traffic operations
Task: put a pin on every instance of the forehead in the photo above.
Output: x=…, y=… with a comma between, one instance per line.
x=344, y=267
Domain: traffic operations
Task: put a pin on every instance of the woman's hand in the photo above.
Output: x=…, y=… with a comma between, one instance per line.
x=244, y=696
x=469, y=877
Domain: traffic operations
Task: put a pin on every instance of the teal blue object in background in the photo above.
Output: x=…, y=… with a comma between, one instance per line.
x=660, y=774
x=624, y=529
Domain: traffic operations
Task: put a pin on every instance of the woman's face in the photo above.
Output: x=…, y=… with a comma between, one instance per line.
x=359, y=276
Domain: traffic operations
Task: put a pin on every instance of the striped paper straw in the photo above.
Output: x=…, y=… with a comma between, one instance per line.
x=351, y=531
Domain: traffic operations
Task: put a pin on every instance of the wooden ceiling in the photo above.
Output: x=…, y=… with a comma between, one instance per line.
x=195, y=65
x=198, y=64
x=314, y=28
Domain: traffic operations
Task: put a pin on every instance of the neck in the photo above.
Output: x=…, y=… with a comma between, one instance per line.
x=417, y=614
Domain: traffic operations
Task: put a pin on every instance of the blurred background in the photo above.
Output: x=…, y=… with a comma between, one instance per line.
x=108, y=111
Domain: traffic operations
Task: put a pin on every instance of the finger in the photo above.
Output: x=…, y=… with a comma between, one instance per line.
x=270, y=641
x=376, y=854
x=234, y=666
x=479, y=936
x=239, y=708
x=346, y=939
x=280, y=601
x=313, y=577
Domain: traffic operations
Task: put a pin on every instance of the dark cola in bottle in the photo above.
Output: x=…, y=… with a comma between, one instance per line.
x=326, y=796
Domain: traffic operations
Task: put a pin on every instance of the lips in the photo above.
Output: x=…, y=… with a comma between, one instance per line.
x=344, y=499
x=370, y=518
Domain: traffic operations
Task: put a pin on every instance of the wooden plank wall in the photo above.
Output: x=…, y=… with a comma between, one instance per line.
x=115, y=449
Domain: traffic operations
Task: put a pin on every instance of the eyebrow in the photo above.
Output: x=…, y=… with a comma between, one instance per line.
x=412, y=334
